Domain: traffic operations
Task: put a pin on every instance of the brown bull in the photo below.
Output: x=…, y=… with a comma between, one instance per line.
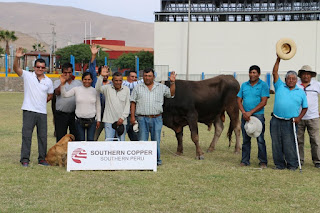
x=205, y=102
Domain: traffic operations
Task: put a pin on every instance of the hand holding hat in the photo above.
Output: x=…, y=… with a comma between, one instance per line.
x=286, y=48
x=253, y=127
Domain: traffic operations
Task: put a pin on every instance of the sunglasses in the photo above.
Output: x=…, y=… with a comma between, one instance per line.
x=40, y=67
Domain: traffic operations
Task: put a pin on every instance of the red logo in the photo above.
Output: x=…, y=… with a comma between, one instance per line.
x=77, y=154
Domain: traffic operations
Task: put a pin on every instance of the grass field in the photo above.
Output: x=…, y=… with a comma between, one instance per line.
x=181, y=184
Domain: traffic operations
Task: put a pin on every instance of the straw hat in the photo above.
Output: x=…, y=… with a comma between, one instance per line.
x=253, y=127
x=306, y=68
x=286, y=48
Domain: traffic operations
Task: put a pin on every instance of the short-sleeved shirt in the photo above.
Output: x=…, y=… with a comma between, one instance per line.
x=36, y=92
x=288, y=103
x=132, y=85
x=149, y=102
x=251, y=95
x=66, y=104
x=312, y=91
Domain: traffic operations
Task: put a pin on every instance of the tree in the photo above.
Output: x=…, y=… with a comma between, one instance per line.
x=7, y=36
x=81, y=52
x=1, y=51
x=38, y=47
x=127, y=60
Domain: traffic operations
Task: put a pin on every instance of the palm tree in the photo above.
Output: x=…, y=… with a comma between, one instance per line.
x=38, y=47
x=7, y=36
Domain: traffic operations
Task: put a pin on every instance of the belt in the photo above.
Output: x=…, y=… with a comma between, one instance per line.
x=280, y=118
x=150, y=116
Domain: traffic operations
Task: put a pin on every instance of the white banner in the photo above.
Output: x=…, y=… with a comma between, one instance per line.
x=112, y=155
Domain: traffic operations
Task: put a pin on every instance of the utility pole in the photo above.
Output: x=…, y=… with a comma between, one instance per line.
x=53, y=48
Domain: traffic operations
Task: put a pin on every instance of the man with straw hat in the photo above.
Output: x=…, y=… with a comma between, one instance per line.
x=252, y=98
x=289, y=99
x=310, y=120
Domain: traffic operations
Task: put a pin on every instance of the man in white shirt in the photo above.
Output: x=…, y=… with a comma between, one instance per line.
x=310, y=120
x=38, y=90
x=117, y=104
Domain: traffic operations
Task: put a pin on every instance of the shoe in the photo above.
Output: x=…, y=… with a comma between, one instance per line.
x=292, y=168
x=25, y=164
x=43, y=163
x=159, y=163
x=263, y=165
x=243, y=164
x=317, y=165
x=276, y=168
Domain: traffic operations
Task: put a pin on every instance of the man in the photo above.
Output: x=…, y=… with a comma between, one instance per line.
x=310, y=120
x=252, y=98
x=289, y=99
x=132, y=82
x=64, y=115
x=117, y=104
x=146, y=103
x=105, y=81
x=38, y=90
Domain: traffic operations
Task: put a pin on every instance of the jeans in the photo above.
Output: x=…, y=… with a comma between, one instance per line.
x=312, y=126
x=81, y=131
x=134, y=136
x=246, y=145
x=62, y=121
x=111, y=133
x=284, y=150
x=154, y=126
x=30, y=120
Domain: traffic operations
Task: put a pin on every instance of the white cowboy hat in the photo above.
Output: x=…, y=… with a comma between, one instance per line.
x=306, y=68
x=253, y=127
x=135, y=127
x=286, y=48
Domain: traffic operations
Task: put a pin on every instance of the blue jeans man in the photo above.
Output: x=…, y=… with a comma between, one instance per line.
x=284, y=150
x=246, y=146
x=154, y=126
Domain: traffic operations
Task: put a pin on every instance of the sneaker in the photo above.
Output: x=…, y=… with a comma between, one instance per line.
x=25, y=164
x=43, y=163
x=317, y=165
x=263, y=166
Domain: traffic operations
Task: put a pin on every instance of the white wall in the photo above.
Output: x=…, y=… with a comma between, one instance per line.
x=225, y=47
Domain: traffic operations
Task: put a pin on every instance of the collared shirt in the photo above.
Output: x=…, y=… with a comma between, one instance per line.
x=117, y=103
x=36, y=92
x=288, y=103
x=312, y=91
x=66, y=104
x=149, y=102
x=251, y=95
x=132, y=85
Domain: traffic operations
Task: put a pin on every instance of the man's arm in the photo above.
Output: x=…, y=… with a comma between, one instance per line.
x=275, y=73
x=92, y=64
x=172, y=83
x=302, y=113
x=16, y=67
x=49, y=98
x=132, y=112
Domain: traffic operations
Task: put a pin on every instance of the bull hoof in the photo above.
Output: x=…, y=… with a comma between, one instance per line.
x=210, y=150
x=201, y=157
x=179, y=153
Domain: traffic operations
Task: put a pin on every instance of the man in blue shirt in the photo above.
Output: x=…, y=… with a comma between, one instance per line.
x=290, y=105
x=252, y=98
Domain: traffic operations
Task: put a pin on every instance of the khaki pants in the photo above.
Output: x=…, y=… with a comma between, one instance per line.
x=312, y=127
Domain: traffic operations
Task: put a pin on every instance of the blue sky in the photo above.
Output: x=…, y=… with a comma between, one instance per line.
x=140, y=10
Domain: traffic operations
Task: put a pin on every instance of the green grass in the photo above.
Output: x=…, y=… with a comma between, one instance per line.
x=181, y=184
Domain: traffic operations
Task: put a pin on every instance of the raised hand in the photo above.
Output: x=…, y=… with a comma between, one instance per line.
x=105, y=71
x=173, y=76
x=63, y=79
x=94, y=49
x=19, y=52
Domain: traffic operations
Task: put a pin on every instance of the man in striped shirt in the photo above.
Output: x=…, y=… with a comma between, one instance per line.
x=146, y=102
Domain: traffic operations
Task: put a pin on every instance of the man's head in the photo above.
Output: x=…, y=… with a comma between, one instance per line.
x=132, y=76
x=291, y=79
x=306, y=73
x=254, y=73
x=117, y=80
x=105, y=78
x=39, y=66
x=67, y=71
x=148, y=76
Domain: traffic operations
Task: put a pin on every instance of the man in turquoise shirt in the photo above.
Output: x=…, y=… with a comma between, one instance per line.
x=252, y=98
x=290, y=105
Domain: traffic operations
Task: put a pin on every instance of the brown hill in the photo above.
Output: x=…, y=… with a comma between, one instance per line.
x=37, y=20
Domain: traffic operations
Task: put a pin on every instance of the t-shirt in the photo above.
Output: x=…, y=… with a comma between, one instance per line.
x=312, y=91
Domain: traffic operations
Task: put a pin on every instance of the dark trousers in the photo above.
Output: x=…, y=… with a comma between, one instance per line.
x=30, y=120
x=63, y=120
x=81, y=131
x=133, y=136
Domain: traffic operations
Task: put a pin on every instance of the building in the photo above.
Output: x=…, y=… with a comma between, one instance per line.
x=227, y=36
